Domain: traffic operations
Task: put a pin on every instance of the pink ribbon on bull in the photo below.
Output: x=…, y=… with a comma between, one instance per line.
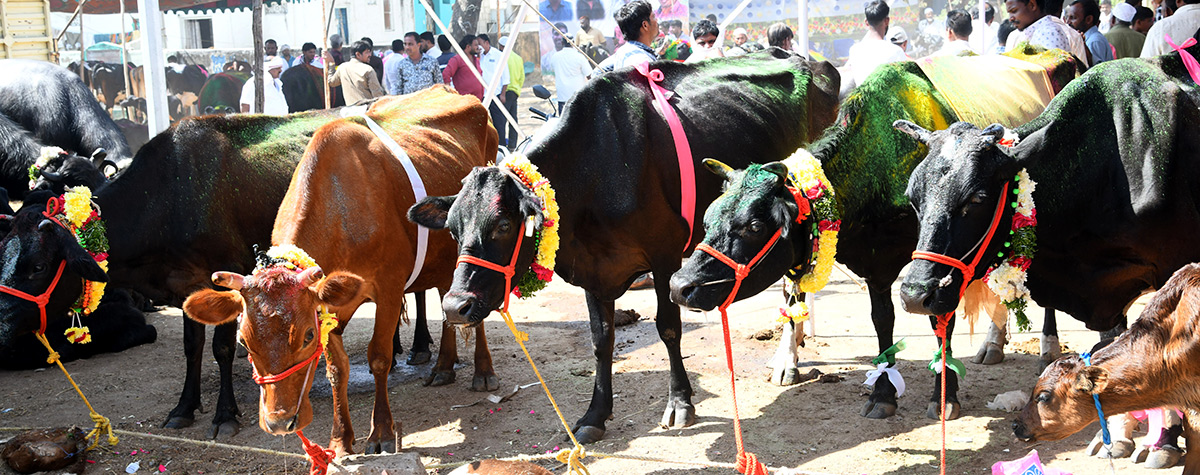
x=687, y=171
x=1189, y=61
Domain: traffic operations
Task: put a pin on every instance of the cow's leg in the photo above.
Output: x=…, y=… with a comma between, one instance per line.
x=443, y=371
x=992, y=350
x=485, y=376
x=337, y=371
x=225, y=423
x=680, y=412
x=1191, y=434
x=1120, y=428
x=1051, y=349
x=1167, y=452
x=590, y=427
x=952, y=407
x=882, y=402
x=184, y=413
x=385, y=436
x=419, y=353
x=783, y=364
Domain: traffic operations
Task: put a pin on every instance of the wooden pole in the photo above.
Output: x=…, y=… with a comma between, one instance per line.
x=157, y=116
x=325, y=47
x=260, y=75
x=82, y=49
x=124, y=54
x=802, y=25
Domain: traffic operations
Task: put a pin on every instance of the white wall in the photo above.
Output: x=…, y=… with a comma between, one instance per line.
x=296, y=23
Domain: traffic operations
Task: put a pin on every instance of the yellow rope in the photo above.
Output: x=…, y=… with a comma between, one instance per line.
x=573, y=457
x=102, y=423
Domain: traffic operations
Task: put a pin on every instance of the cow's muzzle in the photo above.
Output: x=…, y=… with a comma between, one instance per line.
x=1021, y=431
x=463, y=308
x=928, y=297
x=691, y=292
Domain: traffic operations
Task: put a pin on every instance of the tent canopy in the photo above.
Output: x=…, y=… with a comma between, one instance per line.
x=113, y=6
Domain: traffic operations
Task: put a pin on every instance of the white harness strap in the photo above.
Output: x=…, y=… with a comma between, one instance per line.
x=419, y=193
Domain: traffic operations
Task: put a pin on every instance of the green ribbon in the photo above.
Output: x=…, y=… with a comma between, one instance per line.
x=953, y=363
x=889, y=355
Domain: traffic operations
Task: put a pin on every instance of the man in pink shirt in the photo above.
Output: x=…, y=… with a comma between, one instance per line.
x=459, y=75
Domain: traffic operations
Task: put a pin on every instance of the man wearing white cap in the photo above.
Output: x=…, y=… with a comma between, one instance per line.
x=1125, y=40
x=274, y=102
x=742, y=44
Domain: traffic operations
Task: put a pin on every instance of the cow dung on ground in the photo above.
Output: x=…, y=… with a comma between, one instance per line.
x=41, y=450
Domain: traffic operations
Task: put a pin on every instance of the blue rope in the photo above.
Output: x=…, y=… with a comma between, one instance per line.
x=1087, y=361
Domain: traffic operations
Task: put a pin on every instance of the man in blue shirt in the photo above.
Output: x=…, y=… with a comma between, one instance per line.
x=640, y=27
x=557, y=10
x=1084, y=17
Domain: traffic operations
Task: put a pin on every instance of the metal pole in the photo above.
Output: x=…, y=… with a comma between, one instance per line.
x=983, y=23
x=802, y=25
x=729, y=19
x=259, y=74
x=157, y=117
x=82, y=49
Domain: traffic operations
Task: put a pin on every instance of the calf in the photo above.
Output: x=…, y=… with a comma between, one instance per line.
x=1155, y=363
x=344, y=209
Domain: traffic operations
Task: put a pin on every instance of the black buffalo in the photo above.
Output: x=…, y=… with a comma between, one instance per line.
x=618, y=186
x=115, y=325
x=55, y=109
x=302, y=86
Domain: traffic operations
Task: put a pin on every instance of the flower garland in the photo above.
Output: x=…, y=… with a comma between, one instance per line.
x=75, y=212
x=35, y=170
x=1007, y=279
x=545, y=239
x=806, y=173
x=295, y=259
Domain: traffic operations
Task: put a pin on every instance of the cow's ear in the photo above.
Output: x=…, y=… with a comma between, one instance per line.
x=212, y=307
x=719, y=169
x=339, y=288
x=78, y=260
x=913, y=130
x=1092, y=379
x=530, y=207
x=431, y=211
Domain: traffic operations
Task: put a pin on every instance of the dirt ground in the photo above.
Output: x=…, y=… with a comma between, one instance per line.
x=813, y=426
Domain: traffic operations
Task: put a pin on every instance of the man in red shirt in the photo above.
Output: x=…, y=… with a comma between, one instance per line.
x=459, y=75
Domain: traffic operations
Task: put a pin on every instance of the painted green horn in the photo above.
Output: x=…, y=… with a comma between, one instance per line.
x=719, y=169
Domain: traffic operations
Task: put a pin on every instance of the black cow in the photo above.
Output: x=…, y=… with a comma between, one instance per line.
x=108, y=81
x=115, y=325
x=191, y=79
x=67, y=170
x=1115, y=161
x=222, y=93
x=57, y=110
x=617, y=180
x=302, y=86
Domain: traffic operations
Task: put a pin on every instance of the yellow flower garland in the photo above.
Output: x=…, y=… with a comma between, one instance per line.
x=77, y=211
x=548, y=241
x=294, y=258
x=806, y=173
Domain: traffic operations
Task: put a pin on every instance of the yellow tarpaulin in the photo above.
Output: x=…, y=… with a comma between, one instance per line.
x=1017, y=91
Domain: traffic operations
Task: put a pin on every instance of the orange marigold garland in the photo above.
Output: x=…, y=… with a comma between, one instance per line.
x=546, y=238
x=75, y=211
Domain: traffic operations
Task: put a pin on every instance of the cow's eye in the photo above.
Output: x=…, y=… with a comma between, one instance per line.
x=755, y=226
x=503, y=227
x=39, y=267
x=1043, y=397
x=308, y=337
x=978, y=198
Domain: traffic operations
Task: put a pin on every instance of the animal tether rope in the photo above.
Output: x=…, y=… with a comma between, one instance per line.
x=419, y=193
x=747, y=462
x=687, y=170
x=103, y=426
x=943, y=320
x=573, y=457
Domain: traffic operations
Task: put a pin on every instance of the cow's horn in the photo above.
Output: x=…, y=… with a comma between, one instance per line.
x=913, y=130
x=717, y=168
x=311, y=275
x=229, y=280
x=7, y=217
x=52, y=176
x=46, y=225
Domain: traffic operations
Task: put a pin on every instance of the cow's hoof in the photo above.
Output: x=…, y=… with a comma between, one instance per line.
x=439, y=378
x=589, y=434
x=989, y=354
x=1120, y=449
x=1140, y=454
x=952, y=410
x=785, y=376
x=878, y=410
x=485, y=383
x=178, y=422
x=1165, y=457
x=418, y=358
x=679, y=414
x=224, y=430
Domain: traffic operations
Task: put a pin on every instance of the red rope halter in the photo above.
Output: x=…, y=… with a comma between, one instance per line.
x=508, y=270
x=53, y=206
x=968, y=271
x=747, y=463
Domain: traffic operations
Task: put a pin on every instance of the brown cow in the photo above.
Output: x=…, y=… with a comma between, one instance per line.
x=345, y=208
x=1155, y=363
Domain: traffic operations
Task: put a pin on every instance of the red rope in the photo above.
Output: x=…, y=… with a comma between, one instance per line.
x=318, y=456
x=942, y=322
